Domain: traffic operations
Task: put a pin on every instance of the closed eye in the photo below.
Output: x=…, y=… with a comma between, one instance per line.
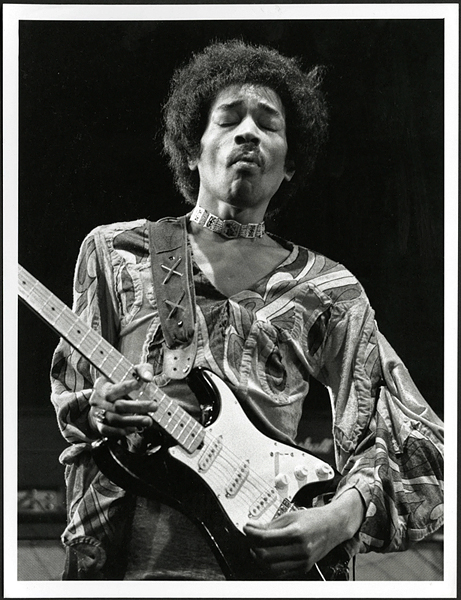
x=270, y=127
x=262, y=125
x=270, y=124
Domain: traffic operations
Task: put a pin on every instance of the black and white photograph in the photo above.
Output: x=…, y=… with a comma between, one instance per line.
x=230, y=300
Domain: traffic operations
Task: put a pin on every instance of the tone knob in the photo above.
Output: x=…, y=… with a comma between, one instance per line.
x=281, y=481
x=301, y=472
x=323, y=472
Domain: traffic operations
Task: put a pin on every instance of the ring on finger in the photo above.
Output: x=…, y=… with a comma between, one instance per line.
x=100, y=415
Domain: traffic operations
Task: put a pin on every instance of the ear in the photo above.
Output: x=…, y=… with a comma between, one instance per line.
x=192, y=163
x=289, y=169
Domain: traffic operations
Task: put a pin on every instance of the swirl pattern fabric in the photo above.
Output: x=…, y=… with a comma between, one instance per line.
x=310, y=317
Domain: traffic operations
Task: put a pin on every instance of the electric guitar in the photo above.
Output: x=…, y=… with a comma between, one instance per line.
x=221, y=473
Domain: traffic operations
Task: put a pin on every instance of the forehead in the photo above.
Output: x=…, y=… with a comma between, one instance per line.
x=257, y=96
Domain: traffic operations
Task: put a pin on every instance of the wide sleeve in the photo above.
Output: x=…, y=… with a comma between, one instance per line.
x=388, y=441
x=72, y=376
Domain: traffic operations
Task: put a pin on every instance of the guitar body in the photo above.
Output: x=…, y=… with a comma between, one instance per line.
x=221, y=474
x=237, y=475
x=179, y=487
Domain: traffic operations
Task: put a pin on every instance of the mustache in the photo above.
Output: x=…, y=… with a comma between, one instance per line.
x=248, y=152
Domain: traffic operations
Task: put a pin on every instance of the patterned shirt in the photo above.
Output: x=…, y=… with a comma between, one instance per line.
x=309, y=317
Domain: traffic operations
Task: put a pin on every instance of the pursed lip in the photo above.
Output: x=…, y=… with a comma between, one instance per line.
x=250, y=157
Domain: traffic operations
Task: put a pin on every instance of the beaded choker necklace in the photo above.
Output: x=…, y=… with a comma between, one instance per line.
x=226, y=227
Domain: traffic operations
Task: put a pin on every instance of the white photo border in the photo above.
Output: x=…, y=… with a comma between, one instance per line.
x=12, y=14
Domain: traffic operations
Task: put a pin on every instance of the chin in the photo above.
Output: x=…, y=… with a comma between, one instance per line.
x=242, y=201
x=243, y=196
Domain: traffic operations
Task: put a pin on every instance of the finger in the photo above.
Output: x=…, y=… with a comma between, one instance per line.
x=108, y=431
x=284, y=520
x=140, y=407
x=122, y=422
x=281, y=554
x=101, y=388
x=278, y=523
x=271, y=536
x=105, y=391
x=120, y=390
x=109, y=423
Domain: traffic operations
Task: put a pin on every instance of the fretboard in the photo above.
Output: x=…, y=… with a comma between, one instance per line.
x=171, y=417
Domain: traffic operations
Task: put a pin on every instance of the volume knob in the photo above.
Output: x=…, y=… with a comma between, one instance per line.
x=301, y=472
x=281, y=481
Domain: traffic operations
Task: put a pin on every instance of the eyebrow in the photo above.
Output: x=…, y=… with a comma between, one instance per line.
x=236, y=103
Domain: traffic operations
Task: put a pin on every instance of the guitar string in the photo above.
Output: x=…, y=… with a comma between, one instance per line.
x=252, y=479
x=226, y=453
x=112, y=364
x=235, y=462
x=91, y=339
x=229, y=473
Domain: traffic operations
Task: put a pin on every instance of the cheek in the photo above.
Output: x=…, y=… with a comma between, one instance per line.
x=206, y=157
x=279, y=157
x=210, y=150
x=280, y=148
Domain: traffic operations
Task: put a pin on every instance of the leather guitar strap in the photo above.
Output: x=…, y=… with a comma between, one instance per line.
x=174, y=290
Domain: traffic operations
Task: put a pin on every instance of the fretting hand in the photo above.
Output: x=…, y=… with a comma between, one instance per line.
x=112, y=413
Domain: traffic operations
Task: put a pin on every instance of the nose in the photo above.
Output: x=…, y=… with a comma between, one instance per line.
x=247, y=132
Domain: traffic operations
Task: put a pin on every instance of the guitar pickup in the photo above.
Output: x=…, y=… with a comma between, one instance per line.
x=238, y=479
x=210, y=454
x=262, y=503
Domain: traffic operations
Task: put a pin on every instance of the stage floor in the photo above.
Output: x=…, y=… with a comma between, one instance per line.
x=43, y=560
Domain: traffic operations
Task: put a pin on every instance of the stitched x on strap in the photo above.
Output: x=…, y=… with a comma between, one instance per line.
x=174, y=290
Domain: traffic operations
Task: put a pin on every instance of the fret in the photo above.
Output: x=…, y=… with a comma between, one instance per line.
x=195, y=437
x=163, y=411
x=106, y=358
x=66, y=321
x=120, y=361
x=173, y=416
x=169, y=414
x=153, y=393
x=48, y=300
x=99, y=353
x=78, y=334
x=127, y=371
x=28, y=287
x=178, y=422
x=54, y=314
x=188, y=426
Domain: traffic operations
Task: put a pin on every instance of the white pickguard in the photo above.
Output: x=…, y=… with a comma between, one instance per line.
x=249, y=473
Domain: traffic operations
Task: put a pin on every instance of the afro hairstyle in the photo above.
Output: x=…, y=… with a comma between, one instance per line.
x=195, y=86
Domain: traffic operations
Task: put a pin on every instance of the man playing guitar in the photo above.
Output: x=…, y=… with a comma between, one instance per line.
x=243, y=125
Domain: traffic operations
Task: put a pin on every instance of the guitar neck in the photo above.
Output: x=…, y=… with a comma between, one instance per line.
x=171, y=417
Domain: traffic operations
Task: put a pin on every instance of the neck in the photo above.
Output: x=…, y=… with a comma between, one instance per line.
x=225, y=210
x=228, y=228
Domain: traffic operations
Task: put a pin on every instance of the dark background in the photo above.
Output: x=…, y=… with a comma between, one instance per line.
x=90, y=153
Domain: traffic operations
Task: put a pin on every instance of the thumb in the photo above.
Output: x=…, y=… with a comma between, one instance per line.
x=145, y=371
x=283, y=521
x=278, y=523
